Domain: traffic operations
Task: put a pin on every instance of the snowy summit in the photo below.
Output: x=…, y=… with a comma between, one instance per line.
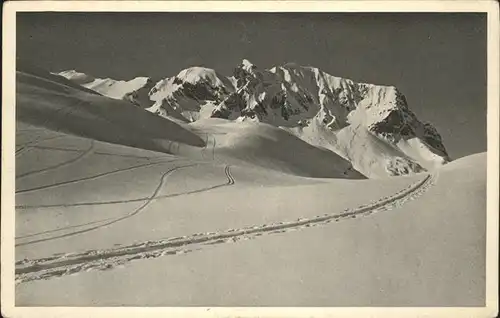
x=369, y=125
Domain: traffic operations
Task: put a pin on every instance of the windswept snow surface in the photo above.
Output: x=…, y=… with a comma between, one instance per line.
x=113, y=203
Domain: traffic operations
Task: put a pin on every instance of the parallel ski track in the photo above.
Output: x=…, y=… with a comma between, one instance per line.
x=61, y=265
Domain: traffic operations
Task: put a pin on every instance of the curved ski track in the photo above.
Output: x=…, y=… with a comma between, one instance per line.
x=33, y=144
x=121, y=218
x=73, y=263
x=62, y=111
x=103, y=153
x=111, y=221
x=97, y=176
x=158, y=197
x=88, y=152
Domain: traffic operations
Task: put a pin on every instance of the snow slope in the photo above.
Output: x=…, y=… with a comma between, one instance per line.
x=397, y=244
x=44, y=102
x=266, y=146
x=113, y=203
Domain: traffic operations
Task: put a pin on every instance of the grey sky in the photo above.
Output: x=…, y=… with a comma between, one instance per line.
x=437, y=60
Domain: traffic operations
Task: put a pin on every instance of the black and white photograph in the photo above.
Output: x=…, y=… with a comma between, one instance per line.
x=254, y=158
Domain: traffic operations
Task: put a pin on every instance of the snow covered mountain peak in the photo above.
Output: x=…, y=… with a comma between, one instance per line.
x=369, y=125
x=198, y=74
x=77, y=77
x=182, y=96
x=247, y=65
x=117, y=89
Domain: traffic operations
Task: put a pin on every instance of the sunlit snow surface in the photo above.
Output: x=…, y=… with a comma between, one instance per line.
x=117, y=206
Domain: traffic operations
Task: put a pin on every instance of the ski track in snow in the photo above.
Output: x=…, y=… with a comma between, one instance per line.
x=74, y=263
x=103, y=153
x=148, y=200
x=62, y=111
x=33, y=144
x=226, y=170
x=204, y=149
x=158, y=197
x=88, y=152
x=213, y=147
x=97, y=176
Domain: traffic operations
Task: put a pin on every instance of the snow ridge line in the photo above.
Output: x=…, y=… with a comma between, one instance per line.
x=31, y=144
x=68, y=264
